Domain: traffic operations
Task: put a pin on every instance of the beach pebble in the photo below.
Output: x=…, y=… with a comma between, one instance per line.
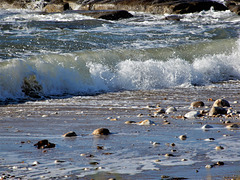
x=101, y=131
x=221, y=103
x=168, y=155
x=44, y=144
x=209, y=139
x=159, y=111
x=154, y=143
x=219, y=147
x=219, y=163
x=182, y=137
x=207, y=126
x=35, y=163
x=217, y=110
x=146, y=123
x=58, y=161
x=208, y=166
x=130, y=122
x=232, y=126
x=197, y=104
x=171, y=110
x=192, y=114
x=93, y=163
x=140, y=115
x=183, y=159
x=70, y=134
x=100, y=147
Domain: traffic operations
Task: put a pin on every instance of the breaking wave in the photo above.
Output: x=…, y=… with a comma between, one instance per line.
x=89, y=72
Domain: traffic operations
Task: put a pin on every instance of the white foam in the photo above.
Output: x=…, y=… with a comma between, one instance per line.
x=104, y=71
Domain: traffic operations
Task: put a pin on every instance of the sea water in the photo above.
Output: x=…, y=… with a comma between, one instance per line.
x=68, y=53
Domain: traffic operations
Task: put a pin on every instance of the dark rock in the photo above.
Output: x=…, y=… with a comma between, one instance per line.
x=234, y=6
x=217, y=110
x=221, y=103
x=31, y=87
x=44, y=144
x=70, y=134
x=101, y=131
x=197, y=104
x=107, y=14
x=173, y=18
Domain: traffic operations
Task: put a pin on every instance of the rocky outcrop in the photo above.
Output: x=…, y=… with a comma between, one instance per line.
x=234, y=6
x=153, y=6
x=148, y=6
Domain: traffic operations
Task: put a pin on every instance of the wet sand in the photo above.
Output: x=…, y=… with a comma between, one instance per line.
x=131, y=151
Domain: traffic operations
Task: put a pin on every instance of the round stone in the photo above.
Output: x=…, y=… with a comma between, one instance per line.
x=146, y=122
x=182, y=137
x=192, y=114
x=219, y=147
x=221, y=103
x=70, y=134
x=130, y=122
x=207, y=126
x=197, y=104
x=232, y=126
x=101, y=131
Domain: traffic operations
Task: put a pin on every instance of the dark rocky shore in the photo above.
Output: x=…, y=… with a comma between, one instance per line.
x=117, y=9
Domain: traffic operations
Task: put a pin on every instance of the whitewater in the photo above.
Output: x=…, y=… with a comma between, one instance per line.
x=71, y=54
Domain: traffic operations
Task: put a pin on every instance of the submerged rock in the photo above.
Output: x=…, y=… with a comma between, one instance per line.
x=173, y=18
x=70, y=134
x=232, y=126
x=182, y=137
x=207, y=126
x=44, y=144
x=101, y=131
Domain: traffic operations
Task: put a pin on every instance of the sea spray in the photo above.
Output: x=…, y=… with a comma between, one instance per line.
x=112, y=70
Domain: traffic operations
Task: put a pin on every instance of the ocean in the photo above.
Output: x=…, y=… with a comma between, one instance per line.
x=72, y=54
x=64, y=72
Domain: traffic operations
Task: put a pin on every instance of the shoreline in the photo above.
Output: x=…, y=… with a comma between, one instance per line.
x=128, y=152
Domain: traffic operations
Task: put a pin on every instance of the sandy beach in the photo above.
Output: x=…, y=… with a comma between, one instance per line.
x=131, y=151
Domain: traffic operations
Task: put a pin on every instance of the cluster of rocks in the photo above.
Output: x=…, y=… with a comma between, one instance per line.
x=46, y=144
x=118, y=9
